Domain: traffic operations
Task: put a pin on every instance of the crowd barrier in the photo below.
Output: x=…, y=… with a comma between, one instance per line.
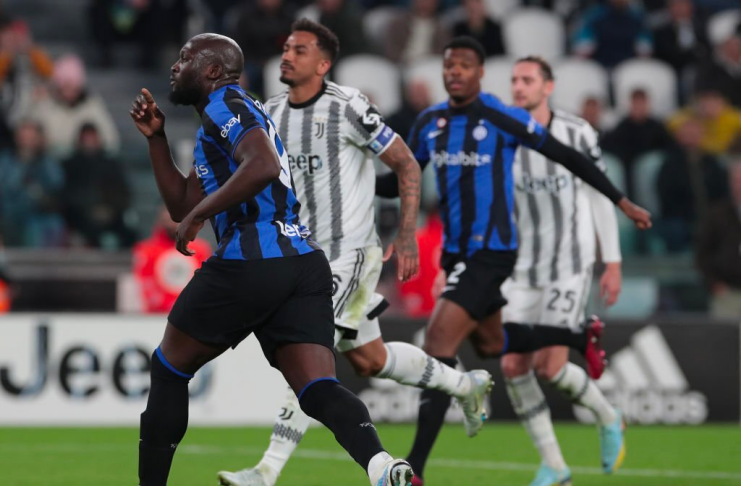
x=92, y=369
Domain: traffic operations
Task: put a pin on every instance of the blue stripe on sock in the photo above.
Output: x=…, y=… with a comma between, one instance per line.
x=169, y=366
x=506, y=343
x=303, y=390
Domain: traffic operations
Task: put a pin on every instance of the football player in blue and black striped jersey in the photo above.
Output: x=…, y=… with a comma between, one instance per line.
x=267, y=276
x=471, y=141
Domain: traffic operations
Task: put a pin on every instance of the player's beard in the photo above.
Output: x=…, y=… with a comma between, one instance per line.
x=288, y=81
x=185, y=94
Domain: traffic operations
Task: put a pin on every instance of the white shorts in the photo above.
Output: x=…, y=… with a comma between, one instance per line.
x=559, y=303
x=355, y=277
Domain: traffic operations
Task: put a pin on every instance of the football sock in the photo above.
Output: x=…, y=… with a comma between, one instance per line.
x=526, y=338
x=530, y=406
x=409, y=365
x=163, y=423
x=345, y=415
x=576, y=385
x=290, y=427
x=433, y=405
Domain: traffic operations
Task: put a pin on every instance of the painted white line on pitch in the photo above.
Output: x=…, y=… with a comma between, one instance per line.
x=319, y=454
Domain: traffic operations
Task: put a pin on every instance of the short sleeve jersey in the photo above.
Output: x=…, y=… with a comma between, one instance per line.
x=264, y=226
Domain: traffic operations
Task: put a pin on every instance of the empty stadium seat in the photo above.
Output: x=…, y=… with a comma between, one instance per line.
x=271, y=77
x=377, y=77
x=376, y=23
x=576, y=80
x=534, y=31
x=655, y=77
x=430, y=70
x=310, y=12
x=645, y=183
x=498, y=9
x=616, y=174
x=497, y=76
x=722, y=25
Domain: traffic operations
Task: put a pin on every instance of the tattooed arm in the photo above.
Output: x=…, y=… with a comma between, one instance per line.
x=400, y=159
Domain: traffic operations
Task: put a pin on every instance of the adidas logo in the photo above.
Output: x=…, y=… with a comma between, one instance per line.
x=645, y=381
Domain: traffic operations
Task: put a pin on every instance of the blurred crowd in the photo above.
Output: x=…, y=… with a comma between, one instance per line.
x=63, y=183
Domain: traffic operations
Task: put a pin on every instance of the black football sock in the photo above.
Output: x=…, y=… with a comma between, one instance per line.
x=163, y=423
x=433, y=405
x=525, y=338
x=345, y=415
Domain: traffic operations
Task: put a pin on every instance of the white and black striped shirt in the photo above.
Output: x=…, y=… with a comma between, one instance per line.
x=328, y=139
x=557, y=212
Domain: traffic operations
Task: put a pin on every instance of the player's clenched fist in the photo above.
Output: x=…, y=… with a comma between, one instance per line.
x=147, y=116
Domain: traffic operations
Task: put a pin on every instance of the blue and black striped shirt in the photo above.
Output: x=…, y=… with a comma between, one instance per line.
x=267, y=225
x=472, y=149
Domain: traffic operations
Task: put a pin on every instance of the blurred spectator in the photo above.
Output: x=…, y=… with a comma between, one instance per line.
x=29, y=192
x=416, y=99
x=261, y=29
x=96, y=194
x=343, y=17
x=417, y=294
x=720, y=121
x=591, y=111
x=681, y=40
x=417, y=33
x=148, y=23
x=689, y=180
x=636, y=134
x=613, y=32
x=69, y=106
x=723, y=70
x=719, y=250
x=161, y=271
x=22, y=65
x=482, y=28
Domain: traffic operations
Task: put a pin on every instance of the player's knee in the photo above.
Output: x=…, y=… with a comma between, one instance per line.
x=513, y=366
x=368, y=368
x=490, y=349
x=547, y=370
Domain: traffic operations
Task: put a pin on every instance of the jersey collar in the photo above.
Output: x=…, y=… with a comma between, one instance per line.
x=310, y=101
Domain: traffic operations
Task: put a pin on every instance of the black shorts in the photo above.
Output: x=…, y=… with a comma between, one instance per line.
x=282, y=300
x=474, y=282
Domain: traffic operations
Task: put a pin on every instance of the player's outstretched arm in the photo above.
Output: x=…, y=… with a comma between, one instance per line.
x=258, y=166
x=401, y=160
x=583, y=168
x=179, y=192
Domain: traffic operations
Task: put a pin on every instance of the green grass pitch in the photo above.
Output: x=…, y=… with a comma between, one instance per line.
x=500, y=455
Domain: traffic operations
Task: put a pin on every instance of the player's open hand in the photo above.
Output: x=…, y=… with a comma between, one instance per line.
x=637, y=214
x=147, y=116
x=187, y=231
x=407, y=256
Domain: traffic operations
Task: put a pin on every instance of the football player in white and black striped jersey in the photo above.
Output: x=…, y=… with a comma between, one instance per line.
x=560, y=221
x=330, y=132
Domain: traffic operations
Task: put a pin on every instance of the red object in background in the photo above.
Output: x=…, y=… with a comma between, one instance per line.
x=417, y=294
x=4, y=297
x=162, y=272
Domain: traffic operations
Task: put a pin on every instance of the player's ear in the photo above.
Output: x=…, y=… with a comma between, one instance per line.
x=549, y=87
x=214, y=71
x=324, y=66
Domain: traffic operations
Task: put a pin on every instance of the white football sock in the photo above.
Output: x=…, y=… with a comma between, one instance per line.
x=289, y=428
x=409, y=365
x=376, y=466
x=576, y=385
x=529, y=403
